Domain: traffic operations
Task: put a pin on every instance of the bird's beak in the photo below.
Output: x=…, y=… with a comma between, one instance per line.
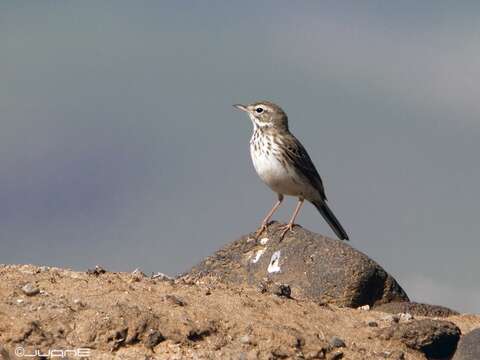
x=241, y=107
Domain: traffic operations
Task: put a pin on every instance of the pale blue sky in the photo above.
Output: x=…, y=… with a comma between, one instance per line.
x=119, y=145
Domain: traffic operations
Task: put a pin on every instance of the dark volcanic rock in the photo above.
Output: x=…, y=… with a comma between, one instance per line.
x=437, y=339
x=336, y=342
x=314, y=266
x=469, y=346
x=417, y=309
x=283, y=290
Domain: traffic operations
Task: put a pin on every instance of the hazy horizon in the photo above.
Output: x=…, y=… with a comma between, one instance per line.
x=120, y=146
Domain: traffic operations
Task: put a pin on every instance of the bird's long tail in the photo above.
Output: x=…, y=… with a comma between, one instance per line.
x=331, y=219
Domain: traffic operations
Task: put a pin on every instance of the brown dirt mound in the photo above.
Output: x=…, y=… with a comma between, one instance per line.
x=131, y=316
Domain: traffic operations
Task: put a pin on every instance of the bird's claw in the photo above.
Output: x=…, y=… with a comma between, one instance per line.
x=260, y=231
x=285, y=229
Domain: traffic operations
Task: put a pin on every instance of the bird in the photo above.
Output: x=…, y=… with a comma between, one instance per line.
x=284, y=165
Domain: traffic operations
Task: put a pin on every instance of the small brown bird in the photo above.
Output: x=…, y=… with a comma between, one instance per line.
x=284, y=165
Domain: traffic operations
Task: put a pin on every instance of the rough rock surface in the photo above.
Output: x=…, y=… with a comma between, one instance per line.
x=436, y=338
x=469, y=346
x=314, y=266
x=417, y=309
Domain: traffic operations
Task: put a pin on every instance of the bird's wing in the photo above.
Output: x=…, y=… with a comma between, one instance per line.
x=300, y=158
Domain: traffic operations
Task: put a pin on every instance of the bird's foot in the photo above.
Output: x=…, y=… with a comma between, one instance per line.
x=285, y=229
x=260, y=230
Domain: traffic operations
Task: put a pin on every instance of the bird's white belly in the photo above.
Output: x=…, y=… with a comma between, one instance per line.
x=280, y=179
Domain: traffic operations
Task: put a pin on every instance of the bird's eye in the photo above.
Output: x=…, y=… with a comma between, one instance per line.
x=259, y=110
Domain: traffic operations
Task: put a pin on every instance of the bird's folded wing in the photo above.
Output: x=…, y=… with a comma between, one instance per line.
x=301, y=160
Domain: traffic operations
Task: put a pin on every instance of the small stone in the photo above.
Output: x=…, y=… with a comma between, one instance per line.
x=161, y=276
x=30, y=290
x=78, y=302
x=283, y=290
x=282, y=352
x=44, y=268
x=245, y=339
x=364, y=307
x=20, y=301
x=300, y=342
x=154, y=338
x=137, y=271
x=337, y=355
x=372, y=324
x=406, y=317
x=262, y=287
x=97, y=271
x=392, y=318
x=336, y=342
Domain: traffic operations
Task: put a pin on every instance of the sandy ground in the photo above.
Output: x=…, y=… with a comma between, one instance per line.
x=132, y=316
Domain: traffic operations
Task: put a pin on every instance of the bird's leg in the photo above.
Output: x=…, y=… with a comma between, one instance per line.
x=265, y=221
x=291, y=223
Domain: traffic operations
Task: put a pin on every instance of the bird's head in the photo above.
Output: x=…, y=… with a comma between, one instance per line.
x=265, y=114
